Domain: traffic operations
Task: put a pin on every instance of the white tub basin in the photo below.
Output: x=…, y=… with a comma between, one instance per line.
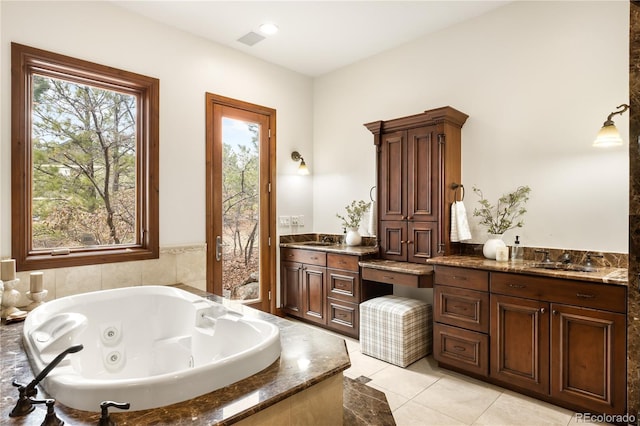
x=150, y=346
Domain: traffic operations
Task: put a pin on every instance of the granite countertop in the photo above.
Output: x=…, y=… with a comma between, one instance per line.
x=284, y=378
x=334, y=248
x=329, y=243
x=605, y=275
x=394, y=266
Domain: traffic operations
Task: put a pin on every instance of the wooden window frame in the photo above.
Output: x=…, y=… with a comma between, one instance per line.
x=26, y=61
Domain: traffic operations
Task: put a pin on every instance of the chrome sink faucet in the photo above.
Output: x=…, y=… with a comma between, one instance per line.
x=565, y=258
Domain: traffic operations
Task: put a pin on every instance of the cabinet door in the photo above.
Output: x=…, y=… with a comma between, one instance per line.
x=393, y=240
x=393, y=191
x=520, y=342
x=422, y=174
x=290, y=281
x=313, y=293
x=588, y=358
x=422, y=238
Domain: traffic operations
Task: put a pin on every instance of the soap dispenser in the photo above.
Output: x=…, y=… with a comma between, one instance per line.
x=517, y=252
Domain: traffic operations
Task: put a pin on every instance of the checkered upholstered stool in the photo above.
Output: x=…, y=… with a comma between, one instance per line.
x=395, y=329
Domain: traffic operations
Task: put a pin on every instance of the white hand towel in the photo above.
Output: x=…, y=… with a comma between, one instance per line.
x=373, y=218
x=462, y=224
x=454, y=224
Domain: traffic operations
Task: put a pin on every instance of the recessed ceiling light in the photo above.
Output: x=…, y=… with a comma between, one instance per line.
x=268, y=28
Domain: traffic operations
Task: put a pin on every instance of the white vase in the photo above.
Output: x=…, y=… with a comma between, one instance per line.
x=491, y=246
x=353, y=237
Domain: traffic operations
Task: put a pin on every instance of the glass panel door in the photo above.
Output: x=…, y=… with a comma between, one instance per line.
x=240, y=209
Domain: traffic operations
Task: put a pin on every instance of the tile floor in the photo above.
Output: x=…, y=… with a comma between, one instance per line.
x=423, y=394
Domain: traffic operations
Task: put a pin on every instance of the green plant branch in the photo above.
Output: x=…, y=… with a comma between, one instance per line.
x=506, y=214
x=355, y=211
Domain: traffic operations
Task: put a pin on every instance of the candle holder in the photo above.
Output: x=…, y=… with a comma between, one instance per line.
x=10, y=298
x=38, y=299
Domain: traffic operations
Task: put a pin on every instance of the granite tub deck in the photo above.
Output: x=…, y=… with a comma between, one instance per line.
x=308, y=373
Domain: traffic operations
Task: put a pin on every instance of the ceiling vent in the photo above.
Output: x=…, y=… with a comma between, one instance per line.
x=251, y=38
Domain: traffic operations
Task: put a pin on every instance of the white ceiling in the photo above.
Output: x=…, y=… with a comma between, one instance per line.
x=315, y=37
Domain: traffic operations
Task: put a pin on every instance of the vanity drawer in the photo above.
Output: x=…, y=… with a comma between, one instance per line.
x=310, y=257
x=463, y=349
x=343, y=261
x=461, y=307
x=473, y=279
x=343, y=285
x=570, y=292
x=343, y=316
x=393, y=277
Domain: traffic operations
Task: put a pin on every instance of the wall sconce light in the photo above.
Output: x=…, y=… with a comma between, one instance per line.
x=609, y=136
x=303, y=169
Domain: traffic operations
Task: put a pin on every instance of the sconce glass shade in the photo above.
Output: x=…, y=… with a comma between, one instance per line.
x=303, y=169
x=608, y=136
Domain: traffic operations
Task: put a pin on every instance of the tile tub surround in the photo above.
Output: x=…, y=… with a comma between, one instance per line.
x=309, y=358
x=177, y=264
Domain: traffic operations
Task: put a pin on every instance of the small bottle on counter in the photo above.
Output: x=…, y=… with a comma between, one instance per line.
x=517, y=253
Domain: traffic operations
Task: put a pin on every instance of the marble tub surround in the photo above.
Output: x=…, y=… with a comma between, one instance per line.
x=308, y=358
x=300, y=241
x=604, y=274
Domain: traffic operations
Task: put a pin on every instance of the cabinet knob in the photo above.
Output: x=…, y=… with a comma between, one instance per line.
x=409, y=217
x=409, y=242
x=542, y=310
x=555, y=312
x=459, y=348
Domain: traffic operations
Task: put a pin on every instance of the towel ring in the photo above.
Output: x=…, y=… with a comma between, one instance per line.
x=455, y=187
x=370, y=194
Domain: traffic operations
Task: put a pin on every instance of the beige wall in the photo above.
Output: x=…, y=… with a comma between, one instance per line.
x=537, y=80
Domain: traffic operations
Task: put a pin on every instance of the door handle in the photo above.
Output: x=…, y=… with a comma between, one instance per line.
x=218, y=248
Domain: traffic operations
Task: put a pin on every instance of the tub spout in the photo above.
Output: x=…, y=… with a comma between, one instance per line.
x=24, y=405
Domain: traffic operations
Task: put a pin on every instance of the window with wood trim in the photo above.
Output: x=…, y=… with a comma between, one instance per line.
x=84, y=158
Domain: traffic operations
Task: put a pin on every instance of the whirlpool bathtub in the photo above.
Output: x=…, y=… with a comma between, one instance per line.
x=149, y=346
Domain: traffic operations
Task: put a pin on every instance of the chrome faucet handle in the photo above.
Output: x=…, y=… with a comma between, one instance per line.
x=546, y=256
x=587, y=261
x=51, y=419
x=105, y=418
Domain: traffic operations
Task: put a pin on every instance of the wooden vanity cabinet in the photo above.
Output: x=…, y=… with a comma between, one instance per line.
x=560, y=338
x=325, y=288
x=418, y=158
x=303, y=281
x=461, y=319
